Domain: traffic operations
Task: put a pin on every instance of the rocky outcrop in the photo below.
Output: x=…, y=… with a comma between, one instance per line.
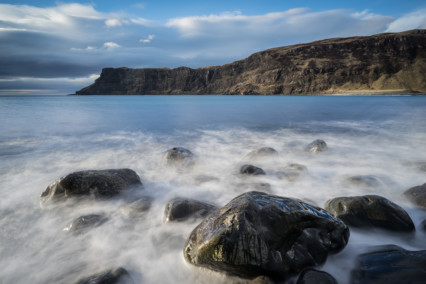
x=390, y=264
x=384, y=62
x=417, y=195
x=95, y=184
x=260, y=234
x=370, y=211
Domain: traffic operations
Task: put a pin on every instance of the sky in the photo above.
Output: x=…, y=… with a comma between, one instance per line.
x=59, y=47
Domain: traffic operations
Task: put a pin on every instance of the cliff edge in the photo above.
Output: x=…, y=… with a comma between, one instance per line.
x=391, y=62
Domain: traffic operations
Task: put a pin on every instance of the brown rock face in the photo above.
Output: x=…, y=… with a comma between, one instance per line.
x=379, y=63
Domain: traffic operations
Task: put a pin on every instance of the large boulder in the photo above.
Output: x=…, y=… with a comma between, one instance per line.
x=181, y=209
x=370, y=211
x=112, y=276
x=260, y=234
x=313, y=276
x=96, y=184
x=262, y=153
x=251, y=170
x=179, y=157
x=417, y=195
x=390, y=264
x=316, y=146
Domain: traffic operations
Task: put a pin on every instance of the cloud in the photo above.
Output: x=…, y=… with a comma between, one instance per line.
x=111, y=45
x=113, y=23
x=148, y=39
x=415, y=20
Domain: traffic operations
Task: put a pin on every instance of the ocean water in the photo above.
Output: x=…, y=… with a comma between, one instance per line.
x=44, y=138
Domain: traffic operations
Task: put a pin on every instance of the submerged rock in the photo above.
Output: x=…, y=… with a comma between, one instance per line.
x=316, y=146
x=96, y=184
x=113, y=276
x=84, y=223
x=137, y=207
x=260, y=234
x=364, y=180
x=293, y=172
x=417, y=195
x=251, y=170
x=262, y=153
x=181, y=209
x=313, y=276
x=370, y=211
x=179, y=157
x=423, y=225
x=390, y=264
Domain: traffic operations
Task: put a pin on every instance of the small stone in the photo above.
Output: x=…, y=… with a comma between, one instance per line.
x=262, y=153
x=251, y=170
x=113, y=276
x=417, y=195
x=365, y=181
x=137, y=207
x=84, y=223
x=181, y=209
x=179, y=157
x=316, y=146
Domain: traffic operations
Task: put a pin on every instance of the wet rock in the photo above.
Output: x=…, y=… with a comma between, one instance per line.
x=316, y=146
x=313, y=276
x=262, y=153
x=417, y=195
x=200, y=179
x=423, y=225
x=260, y=234
x=262, y=280
x=181, y=209
x=390, y=264
x=113, y=276
x=179, y=157
x=293, y=172
x=84, y=223
x=96, y=184
x=364, y=180
x=137, y=207
x=370, y=211
x=251, y=170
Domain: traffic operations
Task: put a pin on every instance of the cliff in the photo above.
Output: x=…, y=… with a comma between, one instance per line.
x=379, y=63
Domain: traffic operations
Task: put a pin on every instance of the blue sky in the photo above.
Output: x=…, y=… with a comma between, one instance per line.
x=58, y=47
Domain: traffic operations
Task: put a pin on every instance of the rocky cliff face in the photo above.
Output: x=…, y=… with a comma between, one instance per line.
x=384, y=62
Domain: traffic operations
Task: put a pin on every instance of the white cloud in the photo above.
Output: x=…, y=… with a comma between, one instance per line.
x=113, y=23
x=142, y=22
x=111, y=45
x=148, y=39
x=415, y=20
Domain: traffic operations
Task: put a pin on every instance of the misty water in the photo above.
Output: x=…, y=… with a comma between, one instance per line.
x=44, y=138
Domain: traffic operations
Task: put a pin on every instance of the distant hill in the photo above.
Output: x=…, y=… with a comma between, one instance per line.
x=391, y=62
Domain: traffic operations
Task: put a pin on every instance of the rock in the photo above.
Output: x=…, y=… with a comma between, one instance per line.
x=137, y=207
x=316, y=146
x=262, y=153
x=200, y=179
x=179, y=157
x=255, y=186
x=181, y=209
x=96, y=184
x=262, y=280
x=260, y=234
x=417, y=195
x=251, y=170
x=423, y=225
x=312, y=276
x=113, y=276
x=83, y=223
x=383, y=62
x=293, y=172
x=365, y=180
x=390, y=264
x=370, y=211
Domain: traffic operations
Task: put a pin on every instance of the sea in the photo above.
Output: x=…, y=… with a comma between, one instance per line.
x=43, y=138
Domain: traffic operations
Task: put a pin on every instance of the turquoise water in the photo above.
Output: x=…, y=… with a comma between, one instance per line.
x=43, y=138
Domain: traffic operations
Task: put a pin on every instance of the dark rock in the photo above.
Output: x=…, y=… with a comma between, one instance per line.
x=116, y=276
x=181, y=209
x=370, y=211
x=262, y=280
x=316, y=146
x=260, y=234
x=84, y=223
x=423, y=225
x=312, y=276
x=179, y=157
x=390, y=264
x=365, y=180
x=392, y=61
x=97, y=184
x=137, y=207
x=262, y=153
x=251, y=170
x=417, y=195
